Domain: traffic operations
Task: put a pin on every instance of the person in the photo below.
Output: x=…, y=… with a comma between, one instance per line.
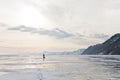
x=43, y=57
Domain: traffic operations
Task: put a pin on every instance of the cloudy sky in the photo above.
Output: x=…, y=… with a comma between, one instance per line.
x=56, y=25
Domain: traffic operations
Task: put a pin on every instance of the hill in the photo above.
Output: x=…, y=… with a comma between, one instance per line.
x=109, y=47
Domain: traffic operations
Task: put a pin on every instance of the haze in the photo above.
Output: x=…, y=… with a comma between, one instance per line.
x=56, y=25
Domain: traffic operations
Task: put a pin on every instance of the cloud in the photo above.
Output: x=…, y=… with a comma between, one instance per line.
x=78, y=38
x=100, y=36
x=89, y=39
x=74, y=14
x=93, y=36
x=59, y=34
x=3, y=24
x=81, y=14
x=56, y=32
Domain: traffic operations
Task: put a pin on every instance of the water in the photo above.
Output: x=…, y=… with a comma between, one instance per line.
x=60, y=68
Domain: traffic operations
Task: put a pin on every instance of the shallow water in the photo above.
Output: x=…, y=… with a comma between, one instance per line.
x=60, y=67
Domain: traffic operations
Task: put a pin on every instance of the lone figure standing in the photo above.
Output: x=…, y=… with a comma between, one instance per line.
x=43, y=57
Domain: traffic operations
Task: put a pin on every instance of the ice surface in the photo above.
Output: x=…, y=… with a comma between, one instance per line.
x=60, y=67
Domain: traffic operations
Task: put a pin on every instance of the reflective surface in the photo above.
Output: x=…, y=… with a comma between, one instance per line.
x=60, y=68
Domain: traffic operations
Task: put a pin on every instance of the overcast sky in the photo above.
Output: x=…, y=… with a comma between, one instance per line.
x=56, y=25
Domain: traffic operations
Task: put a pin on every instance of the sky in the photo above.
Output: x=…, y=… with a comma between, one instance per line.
x=56, y=25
